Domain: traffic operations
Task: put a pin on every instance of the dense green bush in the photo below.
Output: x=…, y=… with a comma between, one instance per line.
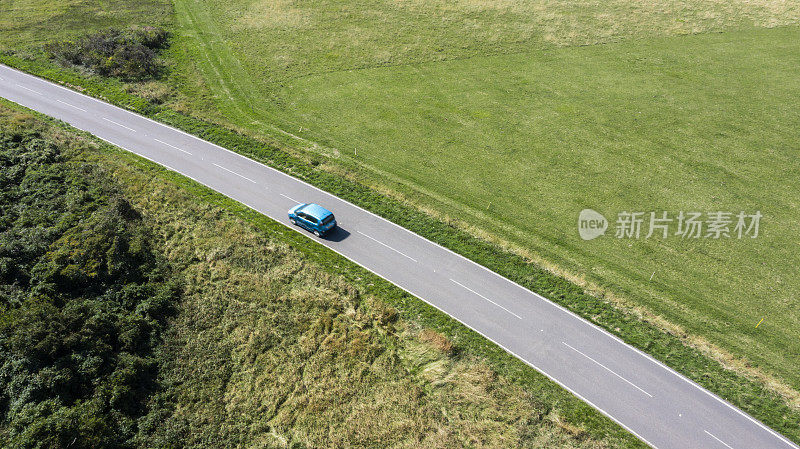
x=129, y=54
x=83, y=300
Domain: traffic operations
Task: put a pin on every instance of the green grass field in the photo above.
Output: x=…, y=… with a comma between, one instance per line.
x=513, y=116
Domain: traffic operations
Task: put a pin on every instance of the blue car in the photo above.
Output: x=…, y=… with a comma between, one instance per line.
x=313, y=217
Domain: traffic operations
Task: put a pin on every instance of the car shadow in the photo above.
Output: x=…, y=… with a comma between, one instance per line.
x=336, y=235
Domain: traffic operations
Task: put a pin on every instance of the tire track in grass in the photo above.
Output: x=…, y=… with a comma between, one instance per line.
x=224, y=73
x=214, y=58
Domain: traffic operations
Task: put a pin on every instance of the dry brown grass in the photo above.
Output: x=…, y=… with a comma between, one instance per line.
x=153, y=91
x=584, y=22
x=438, y=341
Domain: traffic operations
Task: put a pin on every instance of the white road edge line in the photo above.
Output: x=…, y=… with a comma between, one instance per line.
x=712, y=436
x=28, y=88
x=290, y=198
x=585, y=321
x=237, y=174
x=71, y=105
x=473, y=291
x=607, y=369
x=378, y=241
x=172, y=146
x=119, y=124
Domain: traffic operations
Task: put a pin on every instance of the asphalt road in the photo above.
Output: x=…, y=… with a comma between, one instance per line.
x=655, y=403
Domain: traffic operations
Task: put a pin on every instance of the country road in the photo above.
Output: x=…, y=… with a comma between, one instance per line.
x=658, y=405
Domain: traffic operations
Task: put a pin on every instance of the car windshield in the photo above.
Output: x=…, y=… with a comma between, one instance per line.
x=327, y=219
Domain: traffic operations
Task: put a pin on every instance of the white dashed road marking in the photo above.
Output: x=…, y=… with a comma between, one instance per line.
x=28, y=88
x=721, y=442
x=498, y=305
x=70, y=105
x=119, y=124
x=289, y=198
x=608, y=369
x=172, y=146
x=381, y=243
x=237, y=174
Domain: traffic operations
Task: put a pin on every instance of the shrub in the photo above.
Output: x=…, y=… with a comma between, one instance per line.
x=84, y=298
x=130, y=54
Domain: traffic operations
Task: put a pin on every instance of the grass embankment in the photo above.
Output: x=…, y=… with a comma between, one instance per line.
x=140, y=309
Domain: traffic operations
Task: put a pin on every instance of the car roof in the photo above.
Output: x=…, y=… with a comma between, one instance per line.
x=316, y=211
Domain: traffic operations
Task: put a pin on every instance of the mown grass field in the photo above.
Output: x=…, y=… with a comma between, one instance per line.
x=511, y=117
